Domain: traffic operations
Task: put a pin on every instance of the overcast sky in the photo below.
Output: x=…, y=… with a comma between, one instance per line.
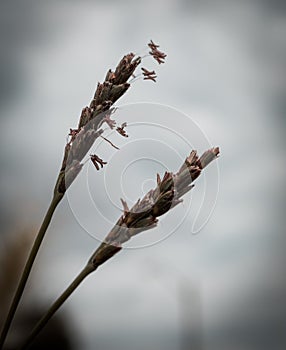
x=211, y=275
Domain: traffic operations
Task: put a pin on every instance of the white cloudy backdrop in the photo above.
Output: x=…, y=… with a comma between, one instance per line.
x=220, y=289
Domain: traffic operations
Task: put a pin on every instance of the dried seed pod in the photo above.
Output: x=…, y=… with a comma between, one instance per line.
x=121, y=131
x=159, y=56
x=149, y=75
x=97, y=161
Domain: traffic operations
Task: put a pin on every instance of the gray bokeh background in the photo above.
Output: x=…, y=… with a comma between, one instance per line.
x=220, y=289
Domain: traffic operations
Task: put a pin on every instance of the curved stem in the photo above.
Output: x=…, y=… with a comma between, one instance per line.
x=57, y=304
x=27, y=269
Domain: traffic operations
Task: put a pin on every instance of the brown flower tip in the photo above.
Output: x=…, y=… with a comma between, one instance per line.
x=159, y=56
x=208, y=157
x=158, y=179
x=125, y=206
x=121, y=131
x=97, y=161
x=167, y=183
x=149, y=75
x=216, y=151
x=152, y=45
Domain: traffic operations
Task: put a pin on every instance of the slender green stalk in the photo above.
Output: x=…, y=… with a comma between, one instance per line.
x=58, y=303
x=27, y=269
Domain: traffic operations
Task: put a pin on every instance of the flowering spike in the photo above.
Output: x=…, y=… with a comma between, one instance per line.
x=144, y=214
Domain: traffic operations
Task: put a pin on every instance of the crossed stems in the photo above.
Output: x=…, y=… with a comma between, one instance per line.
x=82, y=138
x=141, y=217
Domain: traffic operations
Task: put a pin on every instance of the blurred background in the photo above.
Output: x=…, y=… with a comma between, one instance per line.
x=222, y=288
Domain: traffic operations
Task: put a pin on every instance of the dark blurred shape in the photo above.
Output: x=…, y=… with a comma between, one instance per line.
x=15, y=247
x=54, y=336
